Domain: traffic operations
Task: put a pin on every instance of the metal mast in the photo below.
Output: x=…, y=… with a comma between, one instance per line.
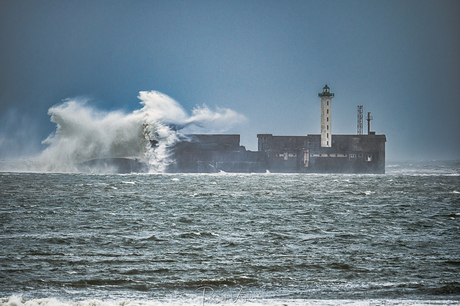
x=360, y=120
x=369, y=118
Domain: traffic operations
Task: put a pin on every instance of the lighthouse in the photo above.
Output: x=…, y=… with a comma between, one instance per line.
x=326, y=124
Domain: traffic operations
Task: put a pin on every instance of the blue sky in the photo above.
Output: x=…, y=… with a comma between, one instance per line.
x=264, y=59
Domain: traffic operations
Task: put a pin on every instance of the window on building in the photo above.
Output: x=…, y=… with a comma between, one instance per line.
x=327, y=119
x=327, y=143
x=327, y=111
x=327, y=102
x=327, y=135
x=327, y=127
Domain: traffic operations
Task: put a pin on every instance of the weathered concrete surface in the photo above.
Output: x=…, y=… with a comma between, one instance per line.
x=207, y=153
x=347, y=154
x=214, y=153
x=297, y=154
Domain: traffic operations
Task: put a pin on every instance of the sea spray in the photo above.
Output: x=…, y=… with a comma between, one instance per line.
x=84, y=133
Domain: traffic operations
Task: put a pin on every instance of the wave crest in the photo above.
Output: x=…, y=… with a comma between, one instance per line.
x=84, y=133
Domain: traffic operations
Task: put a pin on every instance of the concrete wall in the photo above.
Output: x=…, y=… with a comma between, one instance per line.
x=214, y=153
x=347, y=154
x=301, y=154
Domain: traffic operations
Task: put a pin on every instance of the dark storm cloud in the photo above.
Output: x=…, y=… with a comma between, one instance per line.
x=265, y=59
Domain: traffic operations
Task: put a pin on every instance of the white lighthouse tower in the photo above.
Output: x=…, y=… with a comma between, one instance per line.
x=326, y=124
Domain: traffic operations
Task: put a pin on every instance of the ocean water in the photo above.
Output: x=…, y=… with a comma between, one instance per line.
x=232, y=239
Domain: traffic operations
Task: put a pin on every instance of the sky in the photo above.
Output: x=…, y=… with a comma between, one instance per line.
x=267, y=60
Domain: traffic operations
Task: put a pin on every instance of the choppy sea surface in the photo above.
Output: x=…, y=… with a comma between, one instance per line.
x=244, y=239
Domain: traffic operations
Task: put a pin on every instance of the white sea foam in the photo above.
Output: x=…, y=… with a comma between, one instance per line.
x=84, y=133
x=233, y=300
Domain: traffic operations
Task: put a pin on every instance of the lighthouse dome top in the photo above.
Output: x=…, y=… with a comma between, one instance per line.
x=326, y=92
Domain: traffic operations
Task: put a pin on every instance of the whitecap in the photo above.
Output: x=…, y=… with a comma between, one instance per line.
x=251, y=300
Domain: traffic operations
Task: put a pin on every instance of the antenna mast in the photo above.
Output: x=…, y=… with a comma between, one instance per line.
x=369, y=118
x=360, y=120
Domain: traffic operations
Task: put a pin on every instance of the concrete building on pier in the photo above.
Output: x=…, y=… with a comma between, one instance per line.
x=321, y=153
x=324, y=153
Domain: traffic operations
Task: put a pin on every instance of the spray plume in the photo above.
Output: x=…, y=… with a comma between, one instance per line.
x=84, y=133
